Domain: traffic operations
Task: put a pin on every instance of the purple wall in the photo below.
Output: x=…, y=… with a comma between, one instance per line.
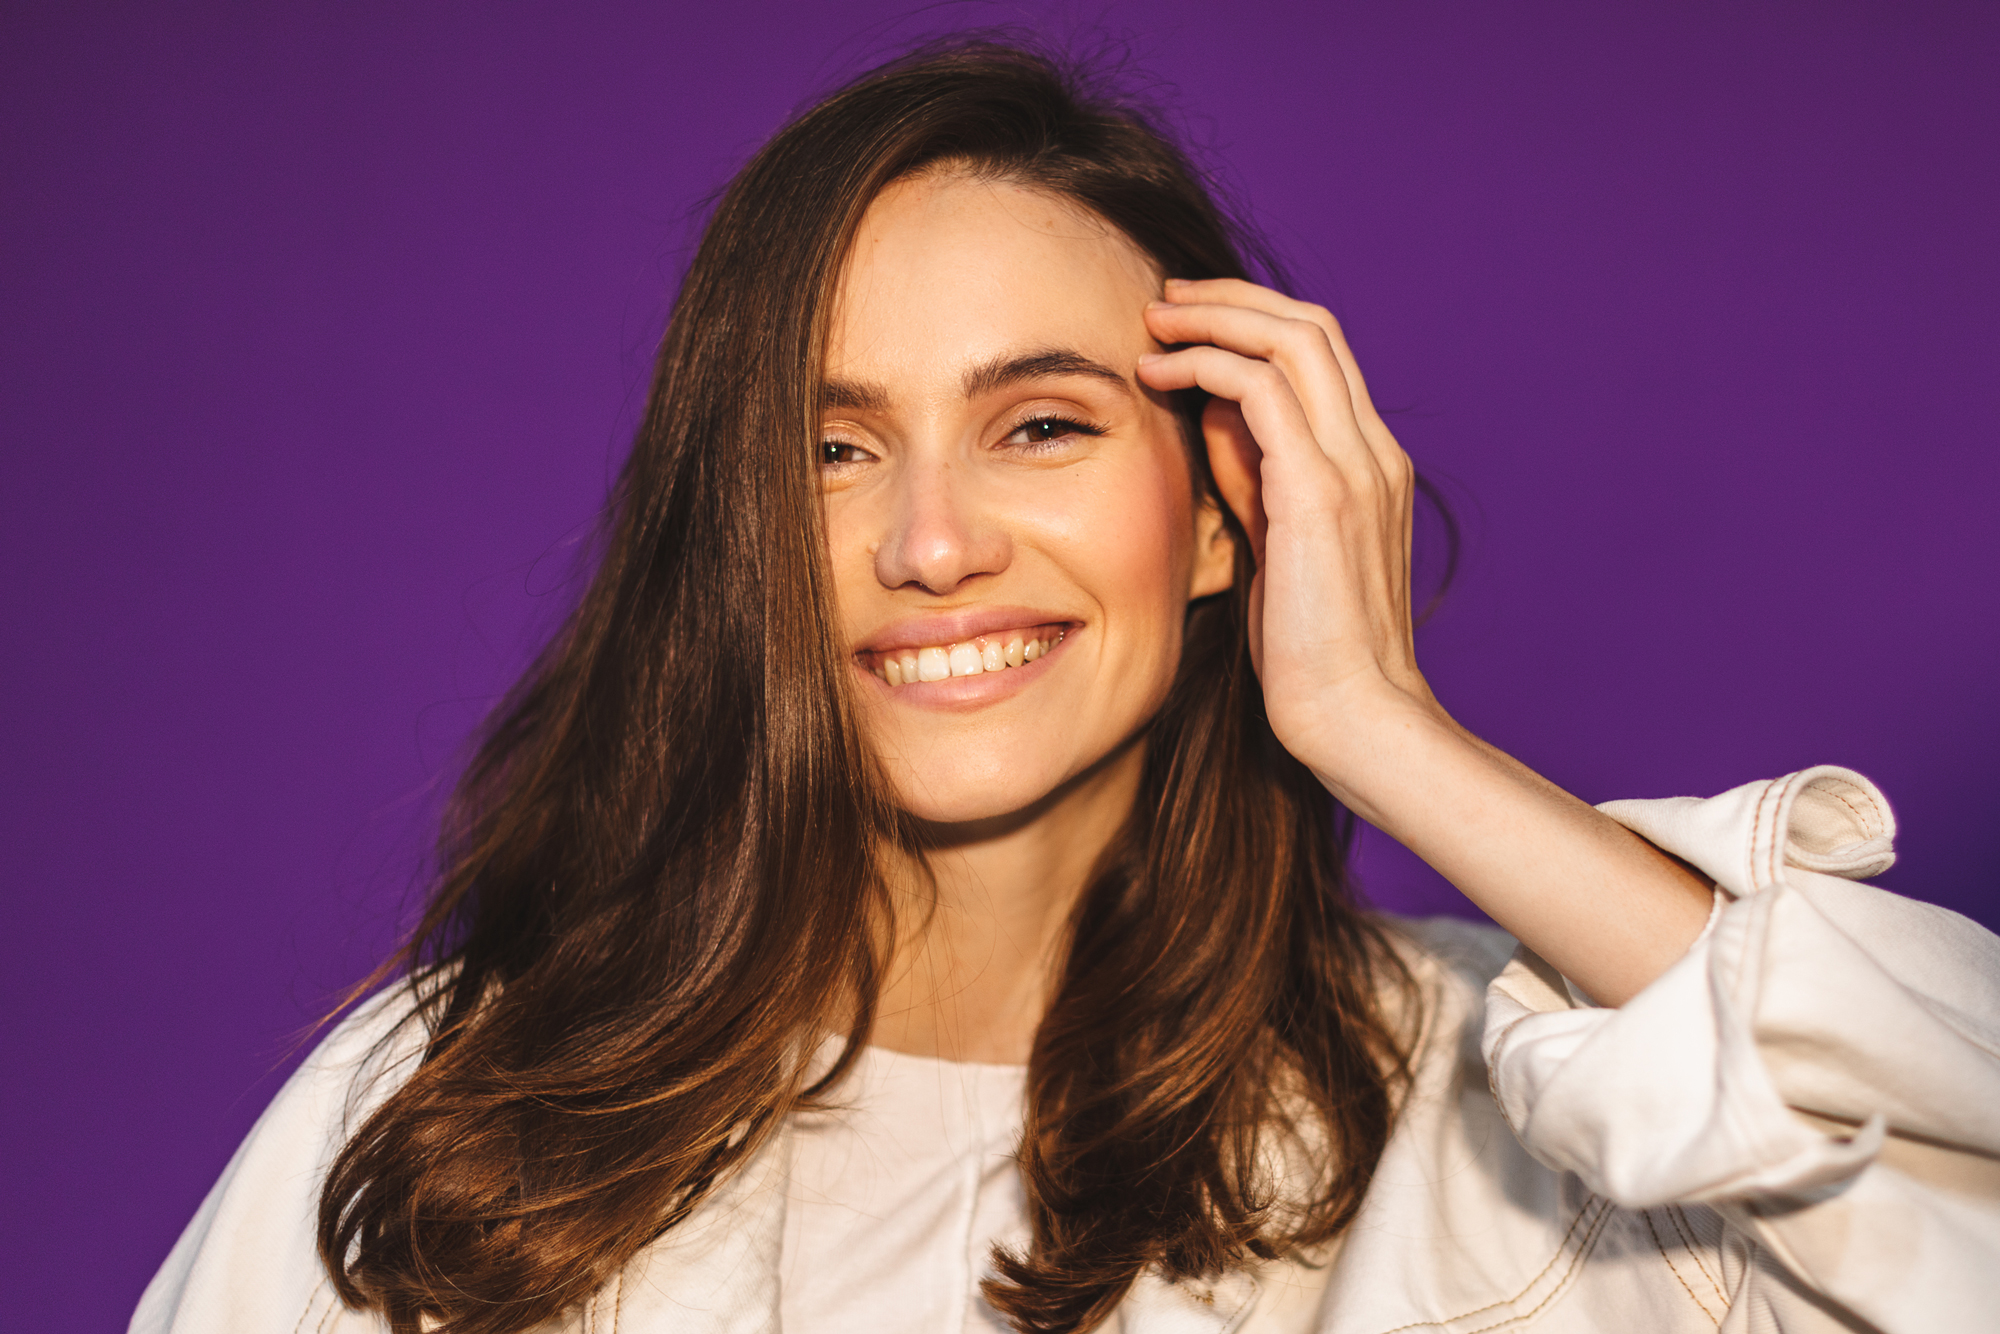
x=324, y=326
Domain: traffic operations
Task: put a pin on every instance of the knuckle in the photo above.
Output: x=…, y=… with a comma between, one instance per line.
x=1337, y=502
x=1304, y=338
x=1363, y=484
x=1323, y=318
x=1269, y=378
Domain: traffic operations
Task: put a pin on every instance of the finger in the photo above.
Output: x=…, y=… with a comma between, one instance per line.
x=1260, y=388
x=1238, y=292
x=1252, y=296
x=1294, y=473
x=1392, y=461
x=1297, y=347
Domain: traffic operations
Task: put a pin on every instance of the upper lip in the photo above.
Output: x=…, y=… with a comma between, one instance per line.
x=956, y=627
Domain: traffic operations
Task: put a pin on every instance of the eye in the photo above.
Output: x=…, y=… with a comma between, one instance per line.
x=1045, y=431
x=841, y=454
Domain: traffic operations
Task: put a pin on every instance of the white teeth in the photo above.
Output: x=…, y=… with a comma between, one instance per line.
x=975, y=657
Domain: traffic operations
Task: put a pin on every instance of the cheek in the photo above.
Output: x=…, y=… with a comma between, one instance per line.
x=1128, y=538
x=852, y=532
x=1145, y=551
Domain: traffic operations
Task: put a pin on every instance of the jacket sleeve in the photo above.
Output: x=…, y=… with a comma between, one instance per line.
x=249, y=1261
x=1822, y=1067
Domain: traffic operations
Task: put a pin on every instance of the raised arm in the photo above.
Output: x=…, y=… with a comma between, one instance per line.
x=1326, y=496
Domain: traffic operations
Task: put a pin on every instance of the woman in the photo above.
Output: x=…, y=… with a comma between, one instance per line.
x=906, y=895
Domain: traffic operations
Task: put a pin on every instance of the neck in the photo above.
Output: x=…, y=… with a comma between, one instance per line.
x=980, y=939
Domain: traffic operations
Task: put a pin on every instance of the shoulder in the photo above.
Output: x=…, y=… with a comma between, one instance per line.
x=249, y=1257
x=348, y=1075
x=1469, y=952
x=1450, y=962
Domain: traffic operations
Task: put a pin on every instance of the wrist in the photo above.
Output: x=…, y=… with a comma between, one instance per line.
x=1375, y=739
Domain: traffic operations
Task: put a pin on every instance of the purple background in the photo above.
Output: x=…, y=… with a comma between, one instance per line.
x=324, y=326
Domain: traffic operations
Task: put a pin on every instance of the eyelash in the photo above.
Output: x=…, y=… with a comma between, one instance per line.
x=1068, y=426
x=827, y=447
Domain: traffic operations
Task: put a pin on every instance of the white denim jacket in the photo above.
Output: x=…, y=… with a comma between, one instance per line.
x=1795, y=1128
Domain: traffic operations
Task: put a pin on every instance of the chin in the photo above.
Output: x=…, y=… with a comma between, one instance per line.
x=969, y=795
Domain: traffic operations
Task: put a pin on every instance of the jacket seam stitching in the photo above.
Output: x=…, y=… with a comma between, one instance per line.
x=311, y=1298
x=1561, y=1246
x=1673, y=1268
x=1693, y=1245
x=1582, y=1252
x=1769, y=807
x=319, y=1290
x=1832, y=789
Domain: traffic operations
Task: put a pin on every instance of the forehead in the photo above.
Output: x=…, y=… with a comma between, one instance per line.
x=948, y=269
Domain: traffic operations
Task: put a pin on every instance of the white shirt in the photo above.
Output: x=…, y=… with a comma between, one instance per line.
x=895, y=1199
x=893, y=1204
x=1795, y=1128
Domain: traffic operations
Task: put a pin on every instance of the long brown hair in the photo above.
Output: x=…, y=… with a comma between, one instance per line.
x=660, y=870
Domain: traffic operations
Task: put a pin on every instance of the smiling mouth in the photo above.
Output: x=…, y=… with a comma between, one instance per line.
x=976, y=656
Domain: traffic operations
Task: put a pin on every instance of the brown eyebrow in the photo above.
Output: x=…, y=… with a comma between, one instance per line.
x=853, y=396
x=1002, y=371
x=1008, y=370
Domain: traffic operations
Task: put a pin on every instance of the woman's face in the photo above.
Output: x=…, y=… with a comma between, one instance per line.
x=1011, y=518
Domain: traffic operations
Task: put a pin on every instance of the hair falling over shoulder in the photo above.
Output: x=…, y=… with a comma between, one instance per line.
x=659, y=872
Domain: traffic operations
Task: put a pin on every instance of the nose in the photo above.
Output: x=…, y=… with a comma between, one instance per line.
x=940, y=535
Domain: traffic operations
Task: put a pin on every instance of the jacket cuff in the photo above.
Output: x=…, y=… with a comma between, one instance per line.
x=1675, y=1095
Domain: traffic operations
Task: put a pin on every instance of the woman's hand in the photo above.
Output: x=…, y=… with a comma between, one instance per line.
x=1325, y=493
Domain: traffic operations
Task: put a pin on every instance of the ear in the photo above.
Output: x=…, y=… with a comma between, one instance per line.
x=1214, y=551
x=1236, y=462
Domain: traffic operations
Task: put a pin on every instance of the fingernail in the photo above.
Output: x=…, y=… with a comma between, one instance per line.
x=1177, y=282
x=1150, y=356
x=1159, y=305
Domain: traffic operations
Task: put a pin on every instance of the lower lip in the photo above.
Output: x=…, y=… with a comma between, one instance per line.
x=970, y=692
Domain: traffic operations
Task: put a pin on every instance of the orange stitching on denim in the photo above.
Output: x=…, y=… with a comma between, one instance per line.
x=1693, y=1245
x=1561, y=1246
x=1832, y=790
x=1562, y=1285
x=1774, y=858
x=1847, y=789
x=1672, y=1268
x=311, y=1299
